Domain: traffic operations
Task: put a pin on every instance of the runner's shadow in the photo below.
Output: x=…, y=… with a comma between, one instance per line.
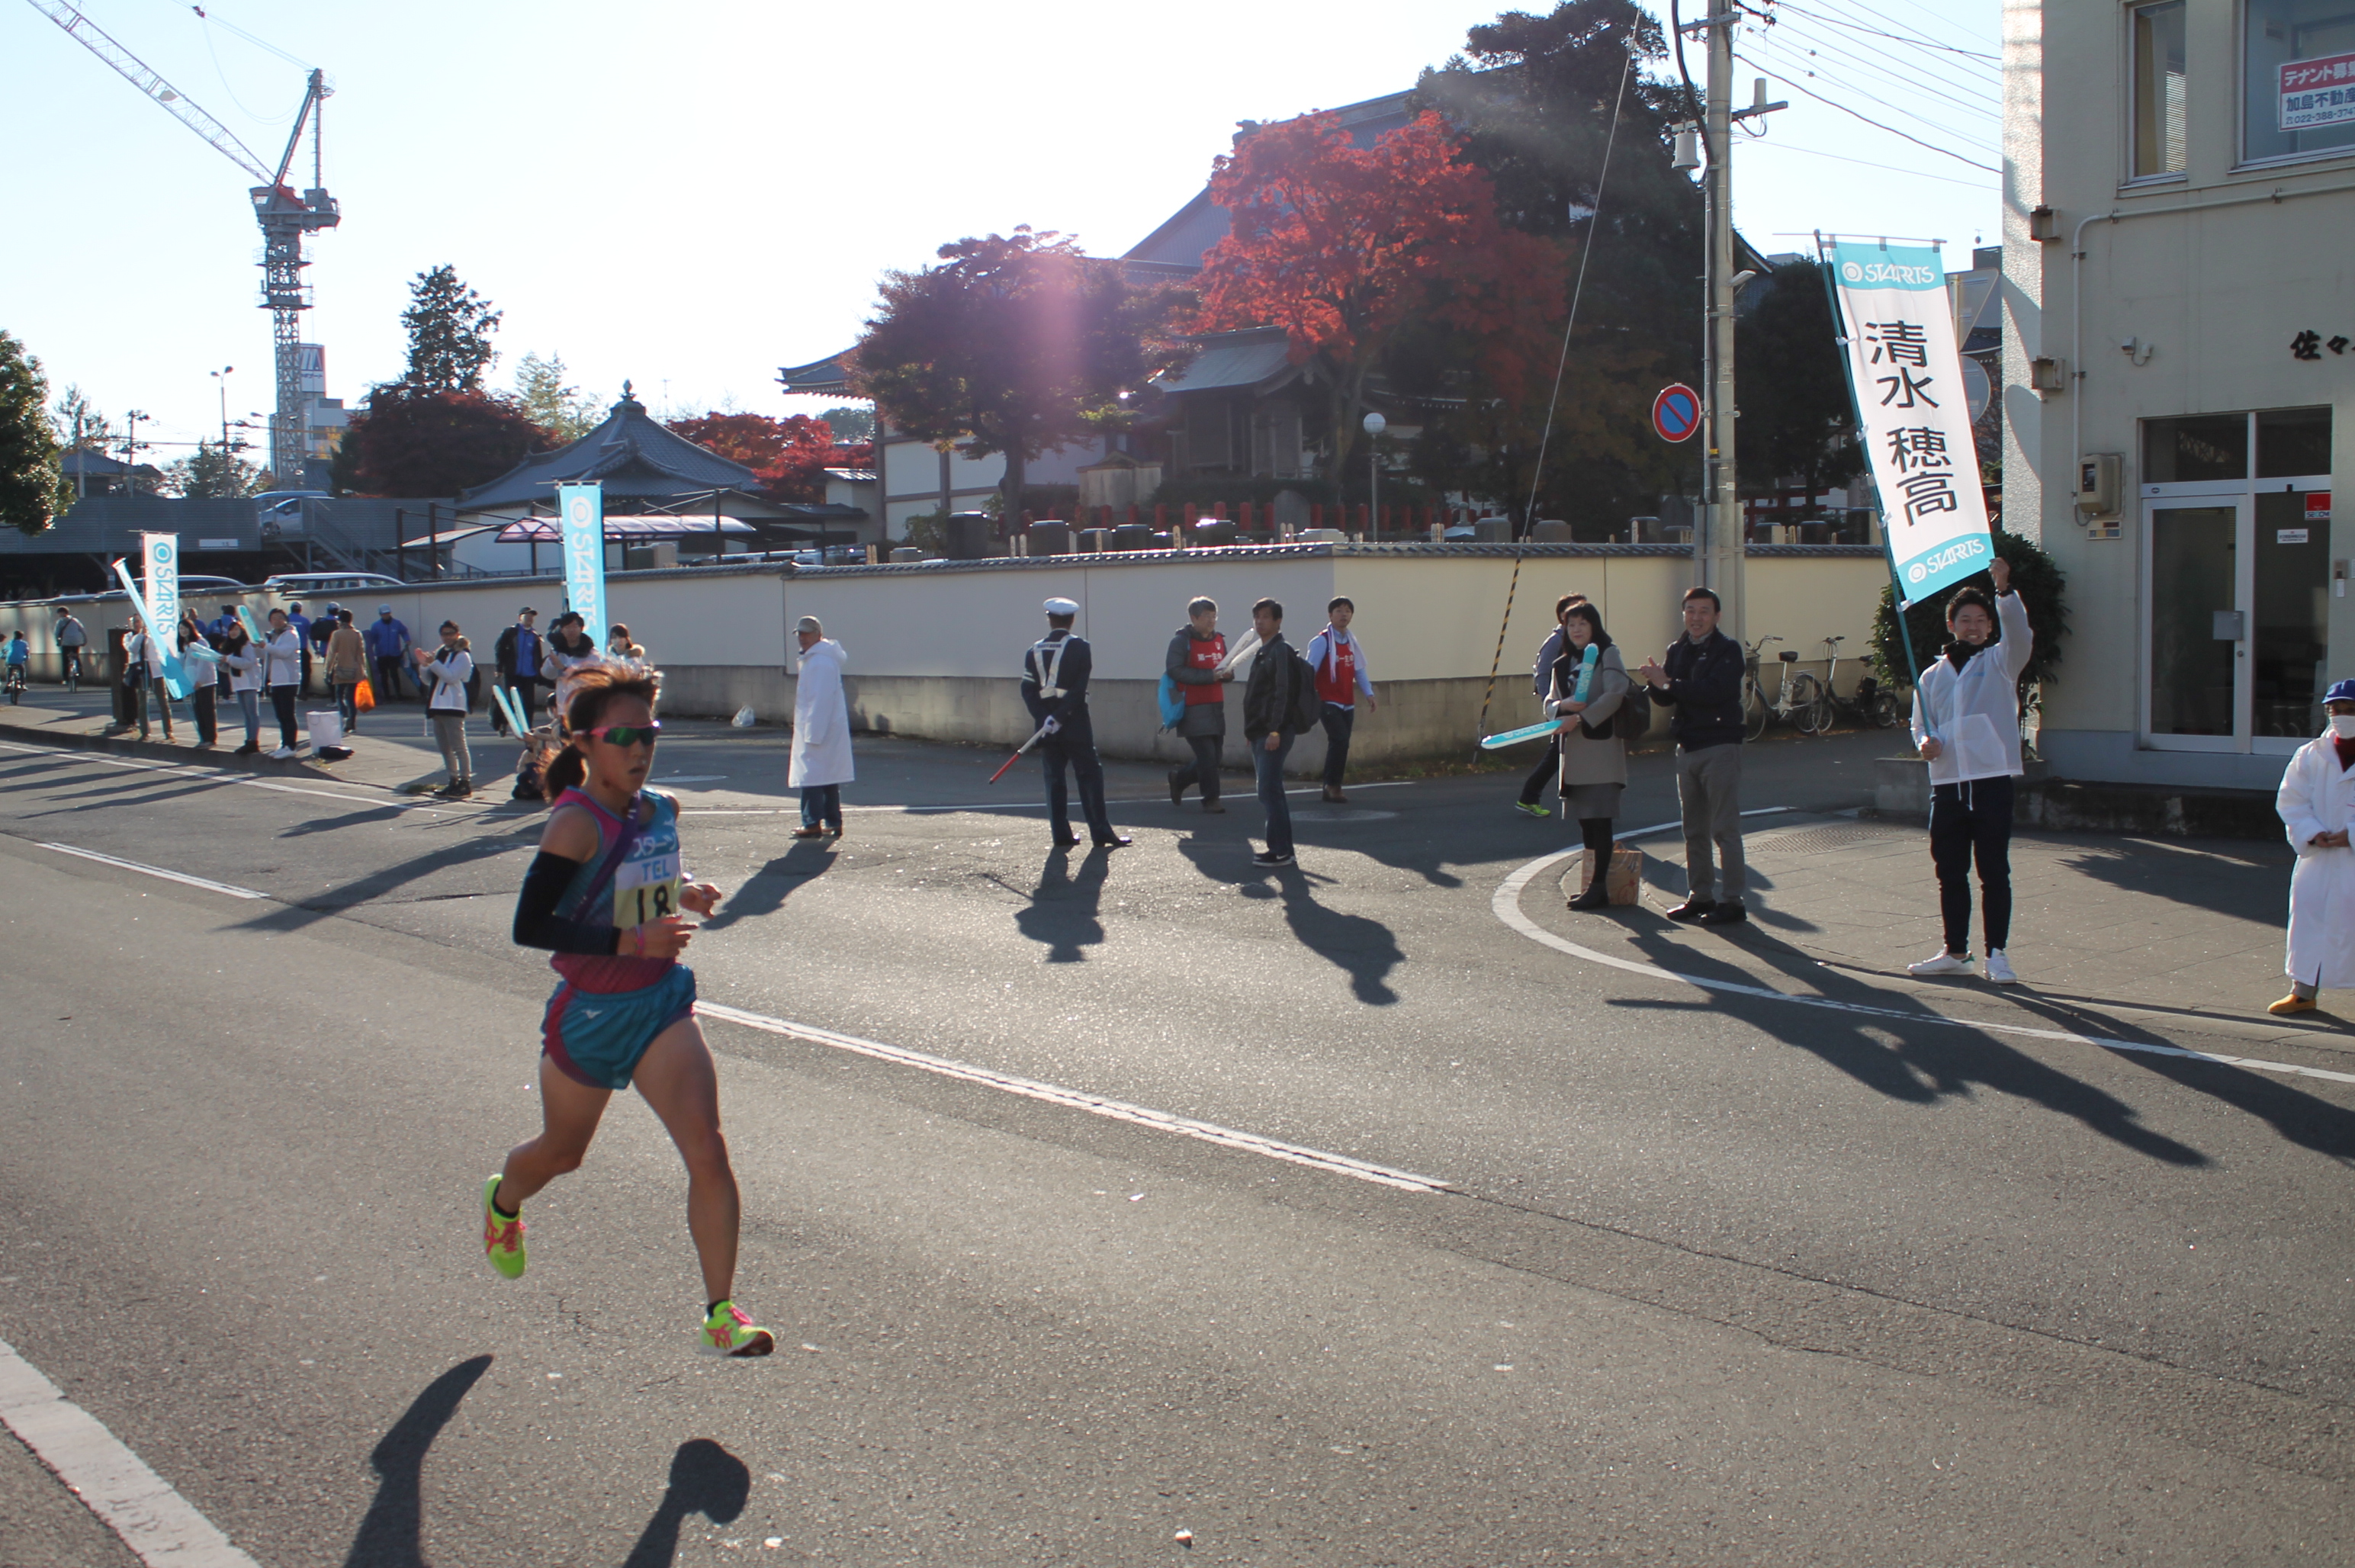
x=1063, y=912
x=1926, y=1057
x=391, y=1535
x=705, y=1478
x=766, y=890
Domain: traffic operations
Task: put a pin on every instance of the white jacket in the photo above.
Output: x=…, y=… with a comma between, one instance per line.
x=1974, y=712
x=281, y=659
x=2317, y=796
x=448, y=669
x=244, y=669
x=821, y=721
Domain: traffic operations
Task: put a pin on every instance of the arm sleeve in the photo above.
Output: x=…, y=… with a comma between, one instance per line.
x=1919, y=722
x=1365, y=675
x=1610, y=689
x=1073, y=674
x=1177, y=663
x=537, y=924
x=2297, y=807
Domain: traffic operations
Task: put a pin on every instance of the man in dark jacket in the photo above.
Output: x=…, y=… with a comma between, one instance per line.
x=1700, y=677
x=520, y=659
x=1196, y=662
x=1270, y=722
x=1055, y=689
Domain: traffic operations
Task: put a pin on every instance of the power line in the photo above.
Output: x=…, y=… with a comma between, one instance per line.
x=1862, y=25
x=1831, y=103
x=1908, y=72
x=1863, y=162
x=1845, y=86
x=1989, y=110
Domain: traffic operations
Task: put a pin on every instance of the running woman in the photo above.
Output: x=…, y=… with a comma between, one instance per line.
x=603, y=895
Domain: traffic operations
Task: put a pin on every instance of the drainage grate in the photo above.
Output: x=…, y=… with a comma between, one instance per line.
x=1820, y=840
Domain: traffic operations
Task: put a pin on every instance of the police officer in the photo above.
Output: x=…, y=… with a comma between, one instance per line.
x=1055, y=689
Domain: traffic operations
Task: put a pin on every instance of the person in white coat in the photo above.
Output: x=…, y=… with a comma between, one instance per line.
x=1966, y=725
x=2318, y=806
x=821, y=759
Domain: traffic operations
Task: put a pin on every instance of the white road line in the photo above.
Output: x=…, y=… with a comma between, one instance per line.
x=156, y=1521
x=181, y=770
x=156, y=871
x=1077, y=1100
x=1506, y=904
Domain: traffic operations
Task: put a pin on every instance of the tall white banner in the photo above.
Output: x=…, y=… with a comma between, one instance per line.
x=1908, y=379
x=580, y=513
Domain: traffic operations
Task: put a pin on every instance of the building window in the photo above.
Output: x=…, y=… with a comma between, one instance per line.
x=2293, y=444
x=2159, y=108
x=2202, y=449
x=2297, y=79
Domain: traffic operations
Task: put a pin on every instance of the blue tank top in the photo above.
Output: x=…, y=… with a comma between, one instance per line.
x=644, y=887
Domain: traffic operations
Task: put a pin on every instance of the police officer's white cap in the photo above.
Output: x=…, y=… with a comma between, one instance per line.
x=1063, y=607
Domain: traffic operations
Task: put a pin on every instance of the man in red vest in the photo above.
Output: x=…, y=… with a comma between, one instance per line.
x=1193, y=663
x=1340, y=661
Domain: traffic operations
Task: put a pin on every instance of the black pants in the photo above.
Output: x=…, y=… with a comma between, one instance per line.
x=202, y=698
x=1549, y=767
x=1339, y=722
x=1203, y=769
x=1594, y=832
x=1971, y=821
x=163, y=694
x=306, y=671
x=388, y=677
x=347, y=703
x=282, y=702
x=1077, y=752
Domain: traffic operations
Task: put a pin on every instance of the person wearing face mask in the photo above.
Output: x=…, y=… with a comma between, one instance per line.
x=2318, y=806
x=1966, y=725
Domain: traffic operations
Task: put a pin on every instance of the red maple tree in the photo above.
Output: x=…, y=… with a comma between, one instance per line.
x=1342, y=246
x=788, y=455
x=414, y=442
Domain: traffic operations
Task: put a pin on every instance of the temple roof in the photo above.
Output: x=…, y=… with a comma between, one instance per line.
x=633, y=456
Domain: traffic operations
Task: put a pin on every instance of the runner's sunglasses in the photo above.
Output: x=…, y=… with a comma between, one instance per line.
x=627, y=735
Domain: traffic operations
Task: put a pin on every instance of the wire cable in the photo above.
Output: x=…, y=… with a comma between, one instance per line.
x=1994, y=63
x=1919, y=77
x=1562, y=364
x=1832, y=103
x=1862, y=17
x=1862, y=163
x=1828, y=79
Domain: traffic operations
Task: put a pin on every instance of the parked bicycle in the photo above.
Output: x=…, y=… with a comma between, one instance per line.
x=1871, y=704
x=1797, y=700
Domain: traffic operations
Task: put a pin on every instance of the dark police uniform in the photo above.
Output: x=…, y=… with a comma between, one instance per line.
x=1055, y=686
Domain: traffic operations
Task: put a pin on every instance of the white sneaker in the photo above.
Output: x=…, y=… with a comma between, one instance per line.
x=1944, y=963
x=280, y=753
x=1998, y=968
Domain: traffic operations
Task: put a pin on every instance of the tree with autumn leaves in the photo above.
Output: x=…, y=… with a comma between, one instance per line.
x=1350, y=248
x=1015, y=345
x=788, y=455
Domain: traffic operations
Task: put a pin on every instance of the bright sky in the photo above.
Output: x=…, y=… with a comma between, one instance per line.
x=693, y=194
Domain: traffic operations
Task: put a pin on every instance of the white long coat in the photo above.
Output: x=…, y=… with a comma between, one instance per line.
x=2317, y=797
x=821, y=721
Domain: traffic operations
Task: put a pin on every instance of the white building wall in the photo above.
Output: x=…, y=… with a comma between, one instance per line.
x=2214, y=274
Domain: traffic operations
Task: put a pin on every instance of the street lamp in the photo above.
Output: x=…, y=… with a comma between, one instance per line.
x=220, y=380
x=1375, y=424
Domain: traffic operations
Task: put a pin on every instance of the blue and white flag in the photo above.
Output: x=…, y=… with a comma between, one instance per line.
x=160, y=561
x=1908, y=377
x=581, y=510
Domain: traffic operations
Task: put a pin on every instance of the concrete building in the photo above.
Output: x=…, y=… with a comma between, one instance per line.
x=2178, y=371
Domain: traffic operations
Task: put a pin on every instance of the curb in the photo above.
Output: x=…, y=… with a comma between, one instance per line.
x=218, y=757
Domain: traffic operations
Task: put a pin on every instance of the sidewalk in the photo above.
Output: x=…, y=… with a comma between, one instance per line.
x=2173, y=934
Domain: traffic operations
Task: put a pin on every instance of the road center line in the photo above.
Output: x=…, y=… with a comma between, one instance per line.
x=1506, y=905
x=137, y=1504
x=1073, y=1099
x=155, y=871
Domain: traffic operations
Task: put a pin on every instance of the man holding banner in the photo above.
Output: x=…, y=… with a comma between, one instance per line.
x=1915, y=418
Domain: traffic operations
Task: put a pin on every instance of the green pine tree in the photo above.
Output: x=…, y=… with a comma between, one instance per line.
x=32, y=486
x=450, y=327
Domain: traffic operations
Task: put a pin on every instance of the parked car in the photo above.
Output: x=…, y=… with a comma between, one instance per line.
x=280, y=512
x=193, y=587
x=313, y=584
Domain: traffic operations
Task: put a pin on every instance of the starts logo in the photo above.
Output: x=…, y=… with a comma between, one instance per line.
x=1852, y=273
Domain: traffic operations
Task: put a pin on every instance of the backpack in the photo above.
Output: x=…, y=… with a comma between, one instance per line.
x=1306, y=711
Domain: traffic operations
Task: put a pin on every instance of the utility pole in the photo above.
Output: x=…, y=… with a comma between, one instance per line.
x=1721, y=559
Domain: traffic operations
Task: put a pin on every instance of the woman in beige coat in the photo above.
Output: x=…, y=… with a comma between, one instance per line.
x=1590, y=683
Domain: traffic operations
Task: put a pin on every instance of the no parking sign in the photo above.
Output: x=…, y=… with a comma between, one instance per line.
x=1676, y=412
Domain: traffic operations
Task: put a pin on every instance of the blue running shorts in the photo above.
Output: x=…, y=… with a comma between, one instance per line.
x=597, y=1037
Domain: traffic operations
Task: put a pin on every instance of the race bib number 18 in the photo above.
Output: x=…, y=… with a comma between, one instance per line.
x=646, y=888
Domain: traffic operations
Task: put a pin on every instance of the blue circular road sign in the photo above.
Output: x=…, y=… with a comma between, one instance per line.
x=1676, y=412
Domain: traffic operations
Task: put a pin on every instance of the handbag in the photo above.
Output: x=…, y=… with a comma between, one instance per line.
x=1173, y=706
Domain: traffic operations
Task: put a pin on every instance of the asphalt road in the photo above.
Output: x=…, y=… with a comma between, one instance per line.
x=1712, y=1279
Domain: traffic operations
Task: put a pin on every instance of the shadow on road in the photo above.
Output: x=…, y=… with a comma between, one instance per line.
x=705, y=1478
x=392, y=1534
x=766, y=890
x=1921, y=1066
x=1064, y=914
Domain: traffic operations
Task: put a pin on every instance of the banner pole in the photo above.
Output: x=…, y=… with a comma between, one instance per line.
x=1856, y=412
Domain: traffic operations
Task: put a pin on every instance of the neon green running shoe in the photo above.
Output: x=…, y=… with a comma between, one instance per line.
x=502, y=1237
x=727, y=1332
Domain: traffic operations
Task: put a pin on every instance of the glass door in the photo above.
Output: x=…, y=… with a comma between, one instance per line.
x=2197, y=637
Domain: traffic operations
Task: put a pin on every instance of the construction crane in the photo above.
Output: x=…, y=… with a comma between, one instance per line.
x=285, y=217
